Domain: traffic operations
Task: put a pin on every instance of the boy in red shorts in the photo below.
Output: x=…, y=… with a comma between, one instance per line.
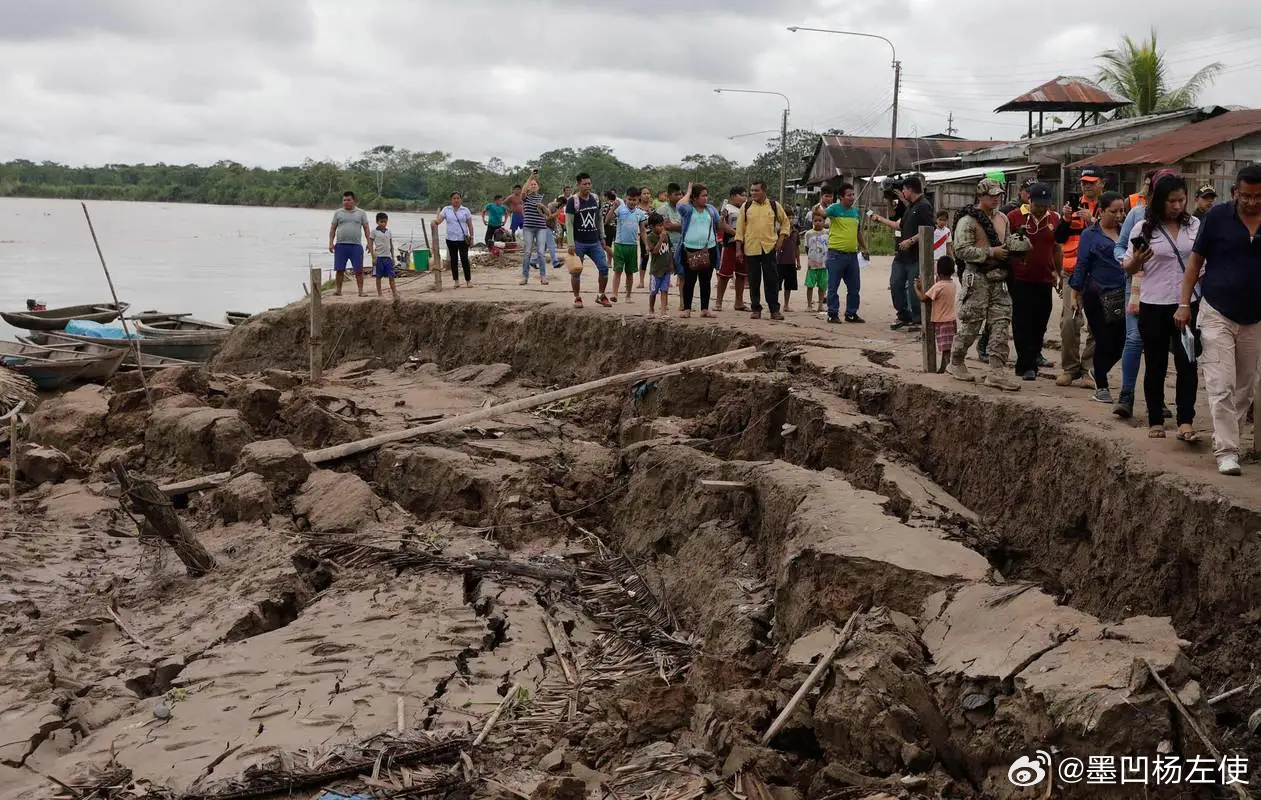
x=729, y=266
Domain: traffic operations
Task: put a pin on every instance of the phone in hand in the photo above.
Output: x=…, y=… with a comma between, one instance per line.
x=1140, y=242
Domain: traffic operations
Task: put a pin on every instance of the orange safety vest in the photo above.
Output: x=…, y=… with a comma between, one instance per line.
x=1137, y=200
x=1077, y=226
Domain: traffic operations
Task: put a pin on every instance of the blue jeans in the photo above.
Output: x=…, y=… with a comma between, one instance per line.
x=535, y=239
x=842, y=267
x=549, y=245
x=1132, y=355
x=594, y=251
x=902, y=289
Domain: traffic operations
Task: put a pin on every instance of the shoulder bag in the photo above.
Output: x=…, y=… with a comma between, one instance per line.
x=698, y=260
x=1195, y=330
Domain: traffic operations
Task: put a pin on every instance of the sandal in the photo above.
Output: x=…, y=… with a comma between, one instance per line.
x=1188, y=436
x=1155, y=433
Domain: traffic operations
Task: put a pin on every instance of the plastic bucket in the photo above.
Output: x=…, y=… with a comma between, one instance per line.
x=420, y=260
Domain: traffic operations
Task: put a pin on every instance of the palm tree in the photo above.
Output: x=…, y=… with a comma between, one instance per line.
x=1138, y=70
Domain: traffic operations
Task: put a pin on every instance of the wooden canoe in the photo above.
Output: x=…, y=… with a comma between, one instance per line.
x=56, y=319
x=62, y=342
x=237, y=317
x=178, y=325
x=197, y=347
x=51, y=368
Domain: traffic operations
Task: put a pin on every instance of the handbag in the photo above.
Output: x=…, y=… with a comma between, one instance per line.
x=698, y=260
x=1113, y=301
x=1195, y=331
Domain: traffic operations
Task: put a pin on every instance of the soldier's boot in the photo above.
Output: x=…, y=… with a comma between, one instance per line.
x=998, y=378
x=957, y=370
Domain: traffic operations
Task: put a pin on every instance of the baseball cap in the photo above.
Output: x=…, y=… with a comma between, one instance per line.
x=1028, y=182
x=1091, y=175
x=1206, y=191
x=990, y=186
x=1040, y=193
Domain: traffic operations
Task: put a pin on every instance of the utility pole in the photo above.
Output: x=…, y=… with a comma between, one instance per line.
x=950, y=124
x=893, y=137
x=783, y=156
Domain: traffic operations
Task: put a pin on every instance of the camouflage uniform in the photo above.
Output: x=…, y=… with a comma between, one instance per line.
x=985, y=298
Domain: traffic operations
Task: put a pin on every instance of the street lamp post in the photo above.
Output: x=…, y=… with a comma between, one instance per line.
x=897, y=82
x=783, y=133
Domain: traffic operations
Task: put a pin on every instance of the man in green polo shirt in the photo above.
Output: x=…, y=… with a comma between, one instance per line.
x=845, y=242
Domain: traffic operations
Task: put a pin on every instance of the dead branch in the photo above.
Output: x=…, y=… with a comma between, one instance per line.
x=812, y=678
x=147, y=500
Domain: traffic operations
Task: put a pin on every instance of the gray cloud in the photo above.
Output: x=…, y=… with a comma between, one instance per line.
x=271, y=83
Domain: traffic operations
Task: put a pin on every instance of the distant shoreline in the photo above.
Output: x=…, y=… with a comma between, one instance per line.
x=401, y=206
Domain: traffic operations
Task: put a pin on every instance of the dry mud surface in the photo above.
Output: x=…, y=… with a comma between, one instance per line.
x=638, y=579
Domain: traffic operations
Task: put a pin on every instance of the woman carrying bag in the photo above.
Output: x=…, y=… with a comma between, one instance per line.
x=698, y=246
x=1098, y=285
x=1160, y=249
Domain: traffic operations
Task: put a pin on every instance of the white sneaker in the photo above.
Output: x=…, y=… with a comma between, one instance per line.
x=1229, y=465
x=468, y=284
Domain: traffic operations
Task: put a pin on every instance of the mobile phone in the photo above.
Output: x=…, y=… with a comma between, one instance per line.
x=1140, y=242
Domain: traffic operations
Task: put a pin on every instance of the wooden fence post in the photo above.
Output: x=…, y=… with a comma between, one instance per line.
x=317, y=324
x=927, y=274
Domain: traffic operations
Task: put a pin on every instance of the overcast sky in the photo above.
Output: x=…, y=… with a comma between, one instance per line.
x=272, y=82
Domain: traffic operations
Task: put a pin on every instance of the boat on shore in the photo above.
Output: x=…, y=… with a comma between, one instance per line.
x=52, y=368
x=176, y=325
x=237, y=317
x=195, y=347
x=56, y=319
x=57, y=341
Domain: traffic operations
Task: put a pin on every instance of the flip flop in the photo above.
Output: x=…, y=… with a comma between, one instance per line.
x=1188, y=436
x=1155, y=433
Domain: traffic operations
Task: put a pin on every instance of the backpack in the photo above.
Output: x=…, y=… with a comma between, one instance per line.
x=774, y=212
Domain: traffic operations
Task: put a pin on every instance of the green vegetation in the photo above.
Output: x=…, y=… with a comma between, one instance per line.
x=1138, y=70
x=386, y=177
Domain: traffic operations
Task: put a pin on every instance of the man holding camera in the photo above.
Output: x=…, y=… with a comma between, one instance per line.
x=1077, y=215
x=985, y=243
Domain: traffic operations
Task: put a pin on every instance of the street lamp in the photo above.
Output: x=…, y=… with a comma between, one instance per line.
x=897, y=83
x=783, y=132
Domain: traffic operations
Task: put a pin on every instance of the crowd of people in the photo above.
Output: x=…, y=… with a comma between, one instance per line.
x=1164, y=271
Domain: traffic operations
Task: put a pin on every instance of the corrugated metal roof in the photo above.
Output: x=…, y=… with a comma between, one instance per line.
x=862, y=155
x=1066, y=94
x=1172, y=147
x=952, y=175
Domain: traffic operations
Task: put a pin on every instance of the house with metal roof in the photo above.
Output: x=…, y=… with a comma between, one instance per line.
x=850, y=159
x=1207, y=152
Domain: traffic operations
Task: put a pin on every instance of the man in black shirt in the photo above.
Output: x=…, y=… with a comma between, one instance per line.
x=906, y=260
x=582, y=222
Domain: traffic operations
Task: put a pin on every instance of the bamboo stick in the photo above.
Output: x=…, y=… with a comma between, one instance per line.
x=812, y=679
x=509, y=700
x=13, y=453
x=317, y=325
x=135, y=346
x=452, y=423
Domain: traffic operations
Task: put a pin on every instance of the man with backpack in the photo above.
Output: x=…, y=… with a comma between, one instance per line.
x=761, y=230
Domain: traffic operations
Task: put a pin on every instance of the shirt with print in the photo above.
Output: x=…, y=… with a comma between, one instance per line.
x=730, y=214
x=1232, y=273
x=941, y=238
x=843, y=234
x=533, y=216
x=1038, y=264
x=382, y=243
x=816, y=249
x=918, y=215
x=349, y=225
x=458, y=221
x=629, y=223
x=495, y=214
x=660, y=255
x=586, y=217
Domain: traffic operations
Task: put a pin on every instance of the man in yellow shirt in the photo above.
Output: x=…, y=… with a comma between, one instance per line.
x=761, y=230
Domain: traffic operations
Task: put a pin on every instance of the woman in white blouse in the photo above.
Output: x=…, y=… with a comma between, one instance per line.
x=1159, y=249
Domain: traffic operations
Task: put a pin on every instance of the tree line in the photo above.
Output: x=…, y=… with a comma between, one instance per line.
x=387, y=177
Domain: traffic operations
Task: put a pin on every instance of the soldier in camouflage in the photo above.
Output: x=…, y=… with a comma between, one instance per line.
x=984, y=242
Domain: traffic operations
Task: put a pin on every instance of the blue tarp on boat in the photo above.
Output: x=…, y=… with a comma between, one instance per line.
x=83, y=327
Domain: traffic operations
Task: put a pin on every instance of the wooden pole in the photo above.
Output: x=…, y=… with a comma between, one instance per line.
x=317, y=324
x=452, y=423
x=435, y=260
x=135, y=346
x=13, y=454
x=927, y=274
x=144, y=497
x=824, y=662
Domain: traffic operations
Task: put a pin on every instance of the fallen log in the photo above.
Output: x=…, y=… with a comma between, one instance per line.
x=144, y=498
x=824, y=662
x=451, y=423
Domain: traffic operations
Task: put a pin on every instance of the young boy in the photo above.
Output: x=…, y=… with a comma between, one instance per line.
x=660, y=263
x=816, y=262
x=493, y=216
x=383, y=253
x=630, y=229
x=787, y=260
x=942, y=293
x=943, y=242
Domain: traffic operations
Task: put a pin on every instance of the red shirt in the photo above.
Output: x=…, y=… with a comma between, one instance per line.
x=1037, y=265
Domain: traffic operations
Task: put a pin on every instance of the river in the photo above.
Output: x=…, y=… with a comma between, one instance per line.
x=175, y=257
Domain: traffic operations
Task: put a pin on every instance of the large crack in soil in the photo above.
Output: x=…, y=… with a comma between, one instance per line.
x=717, y=526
